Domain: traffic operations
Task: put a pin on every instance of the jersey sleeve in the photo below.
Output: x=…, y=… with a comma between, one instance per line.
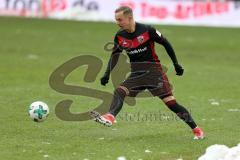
x=116, y=47
x=114, y=57
x=155, y=35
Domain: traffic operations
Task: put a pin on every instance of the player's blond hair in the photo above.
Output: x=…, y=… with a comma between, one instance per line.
x=126, y=10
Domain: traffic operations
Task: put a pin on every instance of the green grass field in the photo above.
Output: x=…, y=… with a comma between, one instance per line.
x=31, y=49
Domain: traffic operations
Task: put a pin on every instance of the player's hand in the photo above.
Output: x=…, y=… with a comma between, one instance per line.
x=179, y=70
x=104, y=80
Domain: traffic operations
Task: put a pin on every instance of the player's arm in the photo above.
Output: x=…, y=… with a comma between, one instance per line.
x=111, y=63
x=159, y=38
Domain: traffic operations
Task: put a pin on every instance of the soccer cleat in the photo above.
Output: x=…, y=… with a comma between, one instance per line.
x=106, y=119
x=198, y=133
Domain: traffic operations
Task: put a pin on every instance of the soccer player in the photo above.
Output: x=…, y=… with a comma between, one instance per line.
x=146, y=71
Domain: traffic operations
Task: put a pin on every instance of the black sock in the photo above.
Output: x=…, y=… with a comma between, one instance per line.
x=117, y=101
x=182, y=113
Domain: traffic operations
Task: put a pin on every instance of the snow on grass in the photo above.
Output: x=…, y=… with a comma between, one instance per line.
x=121, y=158
x=234, y=110
x=45, y=156
x=148, y=151
x=32, y=56
x=214, y=102
x=221, y=152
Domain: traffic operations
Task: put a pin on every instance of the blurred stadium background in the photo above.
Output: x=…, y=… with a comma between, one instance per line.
x=37, y=36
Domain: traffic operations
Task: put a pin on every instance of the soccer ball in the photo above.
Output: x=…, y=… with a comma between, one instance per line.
x=38, y=111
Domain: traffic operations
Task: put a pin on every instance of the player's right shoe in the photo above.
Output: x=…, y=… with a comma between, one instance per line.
x=106, y=119
x=198, y=133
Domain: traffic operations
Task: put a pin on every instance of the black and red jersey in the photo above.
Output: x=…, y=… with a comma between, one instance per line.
x=138, y=45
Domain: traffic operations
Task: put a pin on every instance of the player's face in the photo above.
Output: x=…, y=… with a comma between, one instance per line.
x=123, y=21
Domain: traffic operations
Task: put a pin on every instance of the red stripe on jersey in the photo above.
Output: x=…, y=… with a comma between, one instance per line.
x=166, y=83
x=133, y=43
x=154, y=55
x=124, y=42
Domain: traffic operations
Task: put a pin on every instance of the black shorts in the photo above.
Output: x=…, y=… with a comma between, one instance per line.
x=148, y=76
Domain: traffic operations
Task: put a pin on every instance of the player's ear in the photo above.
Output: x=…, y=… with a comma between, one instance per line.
x=130, y=17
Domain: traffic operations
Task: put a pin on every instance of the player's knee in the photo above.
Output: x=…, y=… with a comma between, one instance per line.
x=119, y=94
x=169, y=101
x=122, y=91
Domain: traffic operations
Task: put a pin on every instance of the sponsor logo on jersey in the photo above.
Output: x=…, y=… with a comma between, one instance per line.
x=136, y=51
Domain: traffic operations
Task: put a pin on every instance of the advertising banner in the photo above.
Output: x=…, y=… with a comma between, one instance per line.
x=207, y=13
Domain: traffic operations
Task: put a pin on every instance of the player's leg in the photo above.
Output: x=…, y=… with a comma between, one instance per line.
x=130, y=87
x=181, y=111
x=116, y=105
x=183, y=114
x=163, y=90
x=119, y=95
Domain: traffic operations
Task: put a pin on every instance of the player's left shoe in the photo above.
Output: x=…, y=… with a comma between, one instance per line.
x=106, y=119
x=198, y=133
